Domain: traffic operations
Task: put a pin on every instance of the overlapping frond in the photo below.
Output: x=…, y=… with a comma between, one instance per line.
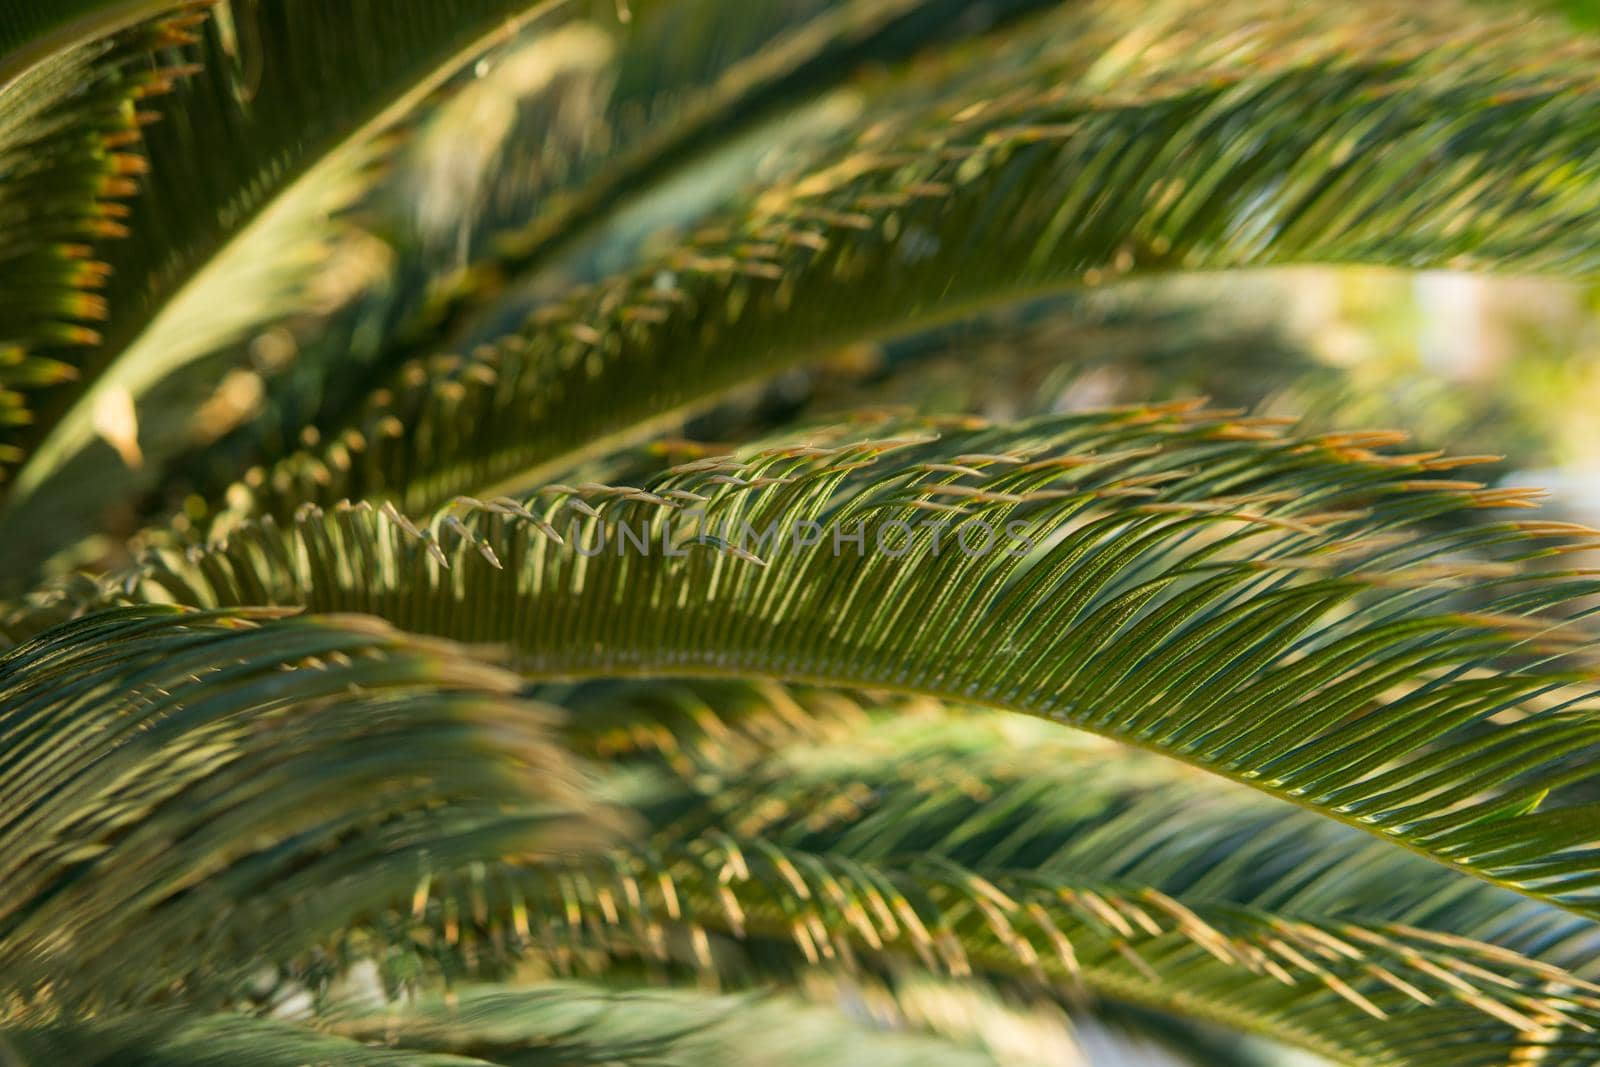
x=1356, y=992
x=559, y=130
x=1136, y=343
x=1257, y=604
x=191, y=794
x=691, y=76
x=1017, y=795
x=214, y=804
x=265, y=100
x=974, y=849
x=1000, y=187
x=583, y=103
x=899, y=776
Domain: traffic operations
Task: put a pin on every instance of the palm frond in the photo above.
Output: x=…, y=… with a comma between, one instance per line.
x=593, y=103
x=1008, y=792
x=558, y=125
x=191, y=794
x=1166, y=340
x=262, y=106
x=262, y=141
x=867, y=850
x=994, y=191
x=1014, y=795
x=71, y=129
x=1257, y=604
x=607, y=95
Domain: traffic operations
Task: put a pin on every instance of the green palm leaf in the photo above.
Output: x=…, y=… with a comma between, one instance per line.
x=1256, y=604
x=1007, y=852
x=262, y=107
x=189, y=793
x=1377, y=157
x=70, y=127
x=656, y=80
x=913, y=776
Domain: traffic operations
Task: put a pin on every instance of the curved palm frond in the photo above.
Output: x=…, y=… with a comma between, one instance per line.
x=190, y=794
x=1137, y=343
x=1381, y=157
x=960, y=846
x=261, y=105
x=69, y=127
x=1006, y=795
x=632, y=86
x=559, y=128
x=1000, y=791
x=1257, y=604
